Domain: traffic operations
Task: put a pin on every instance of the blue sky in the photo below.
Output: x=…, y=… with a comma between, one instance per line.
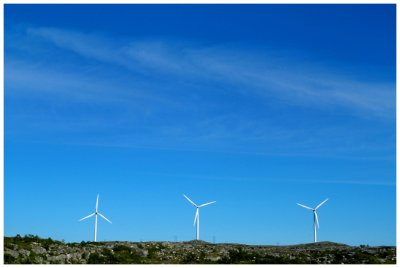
x=255, y=106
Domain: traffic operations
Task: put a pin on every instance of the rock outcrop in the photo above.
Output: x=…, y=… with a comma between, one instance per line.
x=32, y=249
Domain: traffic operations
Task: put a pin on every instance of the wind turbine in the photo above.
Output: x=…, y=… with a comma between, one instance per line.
x=95, y=214
x=314, y=210
x=197, y=215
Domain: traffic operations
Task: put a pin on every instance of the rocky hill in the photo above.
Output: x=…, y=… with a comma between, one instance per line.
x=32, y=249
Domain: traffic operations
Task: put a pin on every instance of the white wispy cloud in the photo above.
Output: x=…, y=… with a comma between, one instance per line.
x=86, y=44
x=306, y=87
x=160, y=93
x=248, y=179
x=240, y=69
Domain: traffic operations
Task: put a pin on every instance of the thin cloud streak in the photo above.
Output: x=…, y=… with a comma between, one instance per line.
x=184, y=80
x=197, y=63
x=279, y=180
x=45, y=81
x=228, y=133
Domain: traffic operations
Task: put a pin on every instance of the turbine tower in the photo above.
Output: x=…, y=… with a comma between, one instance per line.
x=315, y=216
x=197, y=215
x=95, y=214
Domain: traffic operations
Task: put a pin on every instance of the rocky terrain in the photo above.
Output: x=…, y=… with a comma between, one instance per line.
x=32, y=249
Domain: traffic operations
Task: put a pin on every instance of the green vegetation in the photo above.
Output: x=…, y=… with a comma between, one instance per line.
x=33, y=249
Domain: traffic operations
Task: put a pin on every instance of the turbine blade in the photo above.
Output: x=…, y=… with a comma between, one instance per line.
x=104, y=217
x=316, y=218
x=206, y=204
x=304, y=206
x=87, y=217
x=321, y=203
x=190, y=201
x=97, y=203
x=196, y=216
